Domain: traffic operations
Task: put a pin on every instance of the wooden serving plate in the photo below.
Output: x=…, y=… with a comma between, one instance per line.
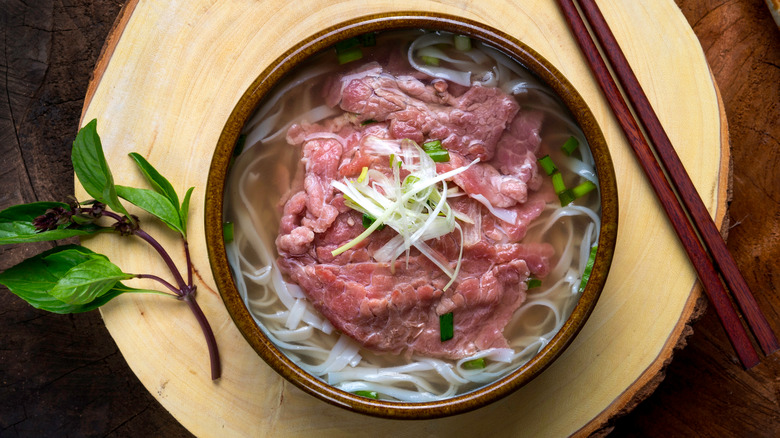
x=169, y=77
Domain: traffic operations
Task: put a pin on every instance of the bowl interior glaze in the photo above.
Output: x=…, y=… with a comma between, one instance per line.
x=215, y=204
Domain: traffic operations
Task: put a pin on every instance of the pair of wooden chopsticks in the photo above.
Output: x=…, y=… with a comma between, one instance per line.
x=698, y=232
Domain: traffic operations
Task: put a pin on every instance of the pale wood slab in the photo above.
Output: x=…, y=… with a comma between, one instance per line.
x=173, y=72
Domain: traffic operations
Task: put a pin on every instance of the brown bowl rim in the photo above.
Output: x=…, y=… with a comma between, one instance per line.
x=215, y=197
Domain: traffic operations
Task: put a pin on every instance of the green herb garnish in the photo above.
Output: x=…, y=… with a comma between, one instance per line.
x=369, y=220
x=462, y=43
x=227, y=231
x=436, y=151
x=430, y=60
x=583, y=189
x=588, y=268
x=474, y=364
x=446, y=326
x=71, y=278
x=547, y=164
x=367, y=394
x=533, y=282
x=349, y=55
x=570, y=145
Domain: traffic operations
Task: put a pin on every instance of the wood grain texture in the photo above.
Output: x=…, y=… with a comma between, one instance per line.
x=60, y=375
x=153, y=110
x=704, y=394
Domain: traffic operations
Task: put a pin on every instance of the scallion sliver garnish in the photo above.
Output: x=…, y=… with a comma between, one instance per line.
x=446, y=326
x=416, y=208
x=588, y=268
x=367, y=394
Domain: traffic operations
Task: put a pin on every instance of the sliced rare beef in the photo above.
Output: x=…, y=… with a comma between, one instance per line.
x=470, y=124
x=395, y=308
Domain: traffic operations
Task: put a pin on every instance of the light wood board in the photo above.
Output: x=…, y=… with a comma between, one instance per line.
x=172, y=72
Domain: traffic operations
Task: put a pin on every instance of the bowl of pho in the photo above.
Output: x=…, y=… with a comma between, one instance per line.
x=410, y=215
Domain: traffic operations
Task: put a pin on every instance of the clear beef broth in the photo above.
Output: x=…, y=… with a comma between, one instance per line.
x=269, y=173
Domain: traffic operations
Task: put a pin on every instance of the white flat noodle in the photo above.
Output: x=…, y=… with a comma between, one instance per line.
x=506, y=215
x=339, y=357
x=290, y=320
x=294, y=290
x=261, y=113
x=260, y=276
x=458, y=77
x=296, y=313
x=412, y=396
x=298, y=335
x=580, y=168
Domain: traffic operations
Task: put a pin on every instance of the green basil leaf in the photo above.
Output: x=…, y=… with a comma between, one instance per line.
x=16, y=224
x=87, y=281
x=154, y=203
x=185, y=211
x=91, y=167
x=158, y=182
x=34, y=279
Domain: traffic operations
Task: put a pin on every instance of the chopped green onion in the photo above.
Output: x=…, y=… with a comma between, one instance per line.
x=368, y=39
x=571, y=145
x=346, y=45
x=558, y=184
x=588, y=268
x=432, y=145
x=566, y=197
x=533, y=282
x=430, y=60
x=227, y=231
x=349, y=55
x=548, y=165
x=363, y=174
x=367, y=394
x=369, y=220
x=416, y=208
x=462, y=43
x=446, y=326
x=367, y=122
x=439, y=156
x=583, y=189
x=475, y=364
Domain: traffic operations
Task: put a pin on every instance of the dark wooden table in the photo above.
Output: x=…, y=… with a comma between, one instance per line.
x=62, y=375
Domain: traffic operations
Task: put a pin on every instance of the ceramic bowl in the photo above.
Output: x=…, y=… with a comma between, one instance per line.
x=215, y=200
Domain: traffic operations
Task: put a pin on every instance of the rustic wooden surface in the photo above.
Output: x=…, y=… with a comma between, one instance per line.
x=63, y=375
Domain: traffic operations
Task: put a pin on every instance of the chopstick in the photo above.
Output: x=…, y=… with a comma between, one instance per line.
x=692, y=205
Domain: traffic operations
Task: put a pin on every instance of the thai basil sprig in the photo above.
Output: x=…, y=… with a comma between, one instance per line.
x=72, y=278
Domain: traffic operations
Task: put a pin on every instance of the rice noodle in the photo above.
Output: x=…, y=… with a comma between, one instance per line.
x=290, y=321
